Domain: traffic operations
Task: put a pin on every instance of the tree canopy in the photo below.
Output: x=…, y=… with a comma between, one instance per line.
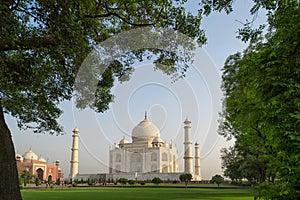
x=261, y=105
x=43, y=43
x=185, y=178
x=218, y=179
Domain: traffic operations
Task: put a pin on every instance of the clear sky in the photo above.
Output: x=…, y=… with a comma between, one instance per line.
x=198, y=96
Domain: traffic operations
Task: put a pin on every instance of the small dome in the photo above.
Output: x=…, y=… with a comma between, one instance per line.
x=123, y=141
x=19, y=157
x=157, y=140
x=41, y=159
x=145, y=131
x=30, y=155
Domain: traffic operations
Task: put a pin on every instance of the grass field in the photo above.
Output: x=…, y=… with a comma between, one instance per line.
x=137, y=193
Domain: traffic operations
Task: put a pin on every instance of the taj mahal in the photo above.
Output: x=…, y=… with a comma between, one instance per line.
x=145, y=157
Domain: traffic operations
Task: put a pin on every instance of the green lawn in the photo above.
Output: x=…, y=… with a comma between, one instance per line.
x=137, y=193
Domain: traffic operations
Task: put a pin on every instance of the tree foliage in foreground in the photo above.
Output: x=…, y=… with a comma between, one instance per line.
x=261, y=107
x=42, y=45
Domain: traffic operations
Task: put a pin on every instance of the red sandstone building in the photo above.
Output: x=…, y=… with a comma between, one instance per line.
x=38, y=166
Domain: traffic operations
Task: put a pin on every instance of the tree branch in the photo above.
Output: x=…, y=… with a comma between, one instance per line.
x=15, y=6
x=8, y=2
x=118, y=16
x=29, y=12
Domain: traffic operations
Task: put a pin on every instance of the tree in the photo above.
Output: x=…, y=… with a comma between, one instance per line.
x=20, y=176
x=156, y=180
x=26, y=176
x=89, y=182
x=42, y=45
x=231, y=164
x=185, y=178
x=37, y=181
x=218, y=179
x=57, y=182
x=49, y=181
x=261, y=105
x=239, y=163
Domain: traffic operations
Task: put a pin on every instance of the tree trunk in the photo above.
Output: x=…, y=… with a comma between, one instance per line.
x=9, y=182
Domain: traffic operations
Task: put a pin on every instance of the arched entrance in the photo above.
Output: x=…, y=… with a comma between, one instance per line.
x=40, y=173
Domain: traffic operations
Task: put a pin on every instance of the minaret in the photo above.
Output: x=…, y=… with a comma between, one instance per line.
x=197, y=162
x=74, y=158
x=188, y=155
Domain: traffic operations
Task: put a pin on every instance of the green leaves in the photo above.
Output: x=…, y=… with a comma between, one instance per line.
x=43, y=44
x=247, y=33
x=261, y=88
x=216, y=5
x=218, y=179
x=156, y=180
x=185, y=177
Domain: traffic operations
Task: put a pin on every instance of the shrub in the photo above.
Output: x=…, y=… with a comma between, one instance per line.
x=142, y=183
x=156, y=180
x=123, y=181
x=131, y=182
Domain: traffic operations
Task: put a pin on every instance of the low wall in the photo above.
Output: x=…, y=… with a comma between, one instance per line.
x=145, y=176
x=130, y=176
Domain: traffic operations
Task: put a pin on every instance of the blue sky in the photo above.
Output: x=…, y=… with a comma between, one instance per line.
x=198, y=96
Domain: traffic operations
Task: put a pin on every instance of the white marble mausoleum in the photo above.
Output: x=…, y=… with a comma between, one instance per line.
x=146, y=153
x=145, y=157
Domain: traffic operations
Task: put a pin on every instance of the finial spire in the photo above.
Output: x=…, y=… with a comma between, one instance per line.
x=75, y=130
x=187, y=121
x=145, y=115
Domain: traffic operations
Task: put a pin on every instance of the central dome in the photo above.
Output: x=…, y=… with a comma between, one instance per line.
x=145, y=131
